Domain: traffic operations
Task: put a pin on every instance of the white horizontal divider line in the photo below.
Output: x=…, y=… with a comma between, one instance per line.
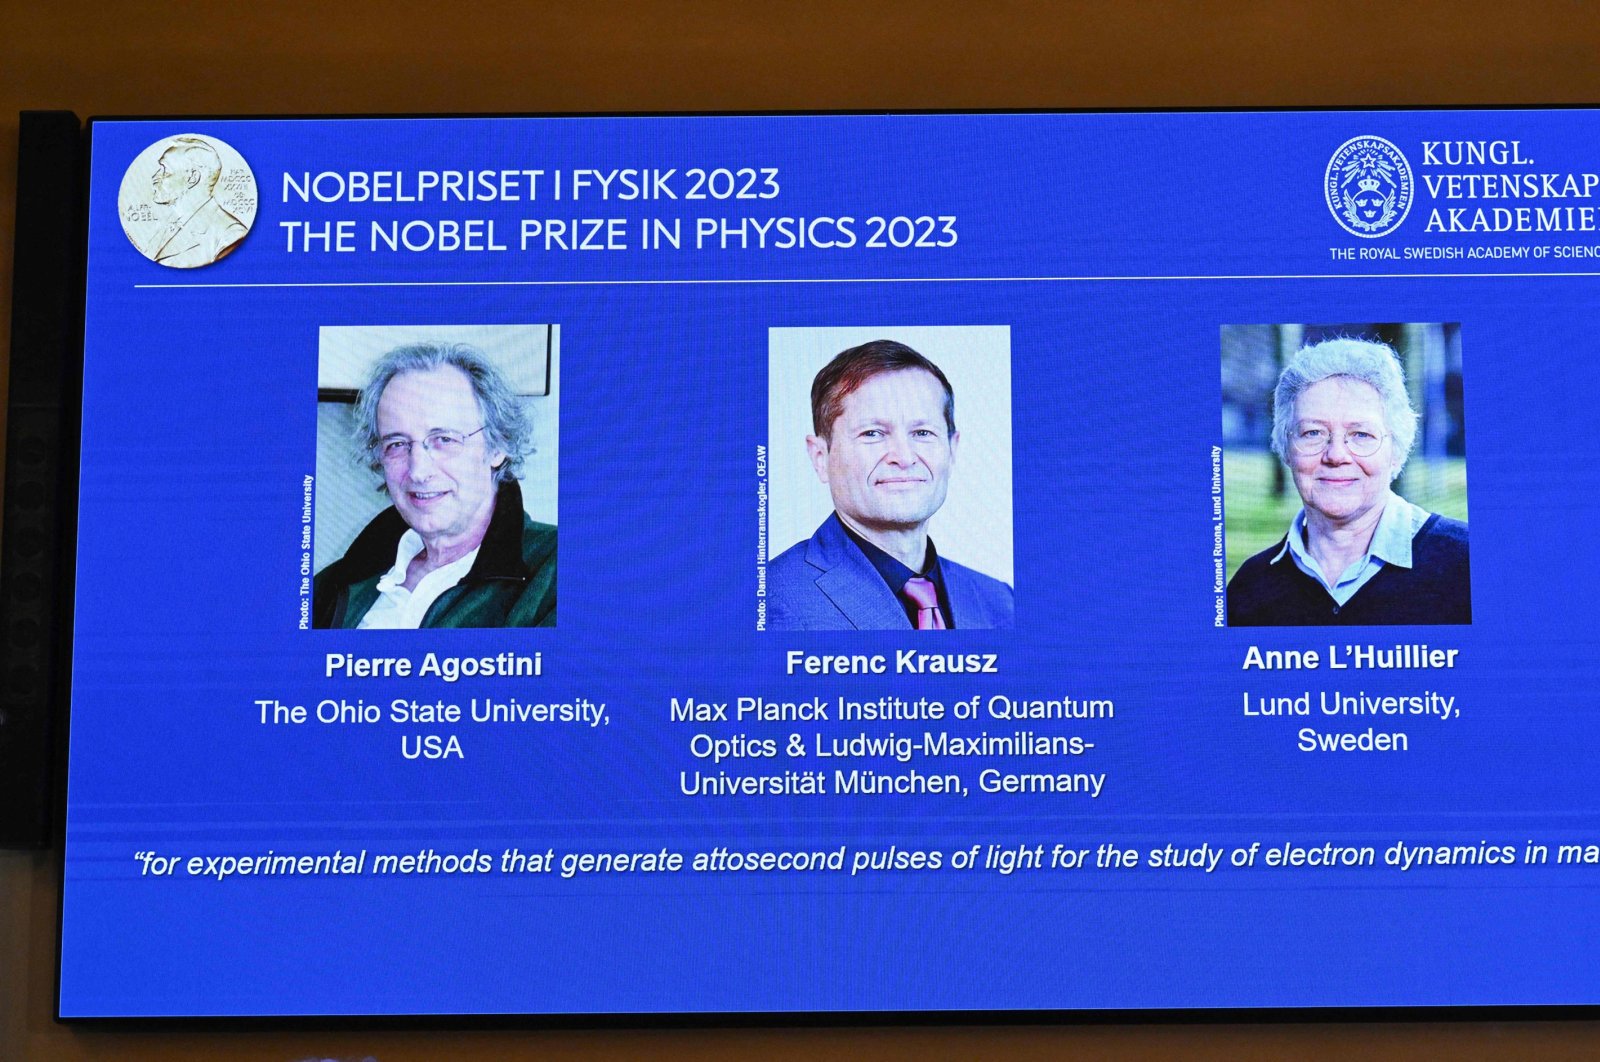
x=858, y=280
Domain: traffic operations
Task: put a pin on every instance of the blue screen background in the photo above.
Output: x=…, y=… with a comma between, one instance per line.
x=1114, y=247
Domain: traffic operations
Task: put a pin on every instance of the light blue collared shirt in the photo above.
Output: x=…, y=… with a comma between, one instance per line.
x=1391, y=544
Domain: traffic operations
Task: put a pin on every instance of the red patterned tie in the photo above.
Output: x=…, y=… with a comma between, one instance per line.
x=925, y=596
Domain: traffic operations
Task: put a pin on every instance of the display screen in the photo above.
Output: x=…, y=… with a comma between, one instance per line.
x=1007, y=563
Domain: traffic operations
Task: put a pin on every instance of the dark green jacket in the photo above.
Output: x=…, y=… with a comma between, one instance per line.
x=512, y=583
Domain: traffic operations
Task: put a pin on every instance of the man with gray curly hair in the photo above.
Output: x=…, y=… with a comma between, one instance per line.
x=447, y=435
x=1356, y=552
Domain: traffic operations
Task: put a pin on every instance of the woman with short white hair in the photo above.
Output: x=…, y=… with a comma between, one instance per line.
x=1356, y=552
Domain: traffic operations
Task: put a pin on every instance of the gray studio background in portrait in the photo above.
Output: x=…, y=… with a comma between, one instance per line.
x=975, y=524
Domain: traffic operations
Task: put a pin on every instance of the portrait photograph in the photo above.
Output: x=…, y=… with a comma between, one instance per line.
x=437, y=456
x=1344, y=475
x=889, y=467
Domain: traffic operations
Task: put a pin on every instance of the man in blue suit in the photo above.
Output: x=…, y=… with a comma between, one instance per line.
x=884, y=444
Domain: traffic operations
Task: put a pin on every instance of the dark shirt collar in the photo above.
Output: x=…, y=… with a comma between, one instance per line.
x=499, y=554
x=895, y=574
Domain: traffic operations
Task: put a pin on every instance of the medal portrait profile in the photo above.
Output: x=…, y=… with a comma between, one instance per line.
x=187, y=201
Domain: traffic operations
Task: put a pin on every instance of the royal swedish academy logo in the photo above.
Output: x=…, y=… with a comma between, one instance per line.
x=1369, y=186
